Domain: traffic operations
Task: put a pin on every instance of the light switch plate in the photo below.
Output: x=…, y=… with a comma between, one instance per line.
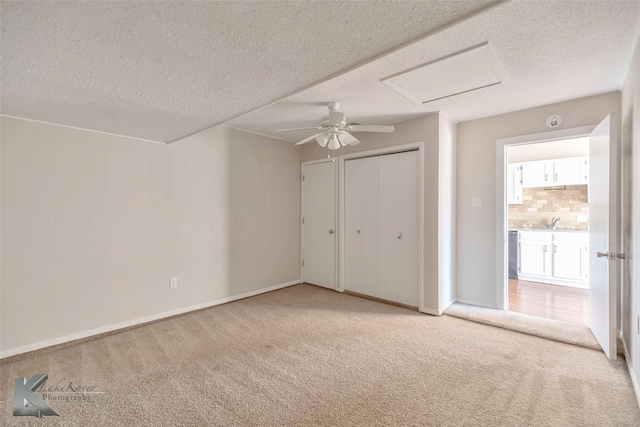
x=173, y=283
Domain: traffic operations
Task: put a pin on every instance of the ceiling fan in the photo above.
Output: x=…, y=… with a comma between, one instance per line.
x=335, y=132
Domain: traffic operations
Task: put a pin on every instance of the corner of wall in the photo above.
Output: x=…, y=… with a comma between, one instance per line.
x=447, y=130
x=630, y=138
x=110, y=220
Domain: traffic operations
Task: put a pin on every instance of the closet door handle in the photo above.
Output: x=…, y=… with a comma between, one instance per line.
x=331, y=231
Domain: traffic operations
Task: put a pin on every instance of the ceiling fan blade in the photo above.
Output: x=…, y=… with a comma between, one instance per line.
x=286, y=130
x=304, y=141
x=346, y=138
x=336, y=118
x=354, y=141
x=370, y=128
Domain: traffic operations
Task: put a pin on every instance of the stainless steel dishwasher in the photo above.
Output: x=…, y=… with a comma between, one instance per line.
x=513, y=254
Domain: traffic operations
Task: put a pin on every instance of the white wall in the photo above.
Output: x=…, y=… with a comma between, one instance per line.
x=476, y=177
x=631, y=215
x=94, y=225
x=447, y=211
x=427, y=130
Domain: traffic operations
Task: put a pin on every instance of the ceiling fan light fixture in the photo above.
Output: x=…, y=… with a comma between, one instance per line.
x=334, y=144
x=322, y=140
x=335, y=132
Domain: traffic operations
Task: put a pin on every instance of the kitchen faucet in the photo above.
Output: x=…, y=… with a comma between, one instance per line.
x=554, y=222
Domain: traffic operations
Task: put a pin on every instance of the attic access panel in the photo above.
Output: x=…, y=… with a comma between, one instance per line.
x=465, y=71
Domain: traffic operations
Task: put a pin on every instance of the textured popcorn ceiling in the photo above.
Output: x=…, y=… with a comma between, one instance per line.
x=551, y=51
x=163, y=70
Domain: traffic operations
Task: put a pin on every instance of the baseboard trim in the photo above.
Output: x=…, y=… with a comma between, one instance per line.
x=430, y=311
x=632, y=372
x=376, y=299
x=476, y=303
x=446, y=305
x=109, y=329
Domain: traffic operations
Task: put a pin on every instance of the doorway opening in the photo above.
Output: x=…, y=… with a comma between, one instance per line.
x=603, y=229
x=547, y=215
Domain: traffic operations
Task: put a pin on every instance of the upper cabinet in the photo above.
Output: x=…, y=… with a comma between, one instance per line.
x=537, y=174
x=549, y=173
x=571, y=171
x=514, y=184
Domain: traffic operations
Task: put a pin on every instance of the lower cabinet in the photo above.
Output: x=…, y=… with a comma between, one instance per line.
x=535, y=254
x=554, y=257
x=571, y=256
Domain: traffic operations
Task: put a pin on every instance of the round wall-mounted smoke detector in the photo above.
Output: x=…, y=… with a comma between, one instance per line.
x=554, y=120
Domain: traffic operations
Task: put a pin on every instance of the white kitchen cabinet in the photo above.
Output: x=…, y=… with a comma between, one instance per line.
x=514, y=184
x=555, y=257
x=556, y=172
x=571, y=171
x=381, y=227
x=534, y=255
x=570, y=256
x=537, y=174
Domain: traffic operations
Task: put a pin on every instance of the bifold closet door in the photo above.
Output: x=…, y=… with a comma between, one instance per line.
x=381, y=227
x=389, y=229
x=361, y=226
x=408, y=220
x=398, y=227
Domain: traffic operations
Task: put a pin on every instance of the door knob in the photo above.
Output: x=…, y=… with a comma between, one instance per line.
x=331, y=231
x=400, y=236
x=358, y=231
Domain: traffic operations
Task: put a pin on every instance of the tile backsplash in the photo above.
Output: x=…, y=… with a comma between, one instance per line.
x=540, y=205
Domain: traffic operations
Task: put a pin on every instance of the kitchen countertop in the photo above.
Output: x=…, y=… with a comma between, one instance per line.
x=559, y=230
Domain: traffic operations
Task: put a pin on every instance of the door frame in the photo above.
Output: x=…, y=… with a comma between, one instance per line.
x=341, y=211
x=502, y=235
x=335, y=221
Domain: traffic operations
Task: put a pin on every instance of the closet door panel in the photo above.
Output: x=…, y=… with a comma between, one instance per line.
x=388, y=227
x=361, y=225
x=408, y=223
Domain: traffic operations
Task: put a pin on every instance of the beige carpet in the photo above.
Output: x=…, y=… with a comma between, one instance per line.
x=552, y=329
x=310, y=356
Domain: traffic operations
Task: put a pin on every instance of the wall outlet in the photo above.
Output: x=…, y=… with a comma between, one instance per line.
x=173, y=283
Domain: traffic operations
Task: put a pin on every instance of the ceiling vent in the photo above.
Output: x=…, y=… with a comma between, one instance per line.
x=461, y=72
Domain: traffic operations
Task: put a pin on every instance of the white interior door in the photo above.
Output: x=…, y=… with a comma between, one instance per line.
x=603, y=242
x=389, y=228
x=361, y=226
x=318, y=227
x=409, y=226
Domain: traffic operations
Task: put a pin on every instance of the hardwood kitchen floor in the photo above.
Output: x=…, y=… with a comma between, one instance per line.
x=551, y=301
